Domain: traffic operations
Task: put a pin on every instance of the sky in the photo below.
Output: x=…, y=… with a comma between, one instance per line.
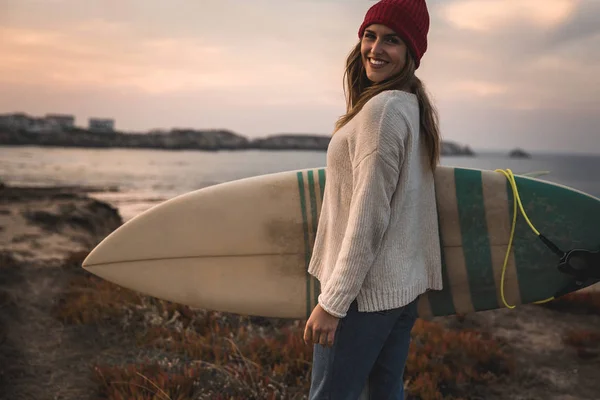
x=502, y=73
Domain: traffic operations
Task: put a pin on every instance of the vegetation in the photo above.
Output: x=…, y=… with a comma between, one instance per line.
x=578, y=302
x=217, y=355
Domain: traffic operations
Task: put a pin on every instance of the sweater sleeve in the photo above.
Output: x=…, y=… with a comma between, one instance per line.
x=375, y=177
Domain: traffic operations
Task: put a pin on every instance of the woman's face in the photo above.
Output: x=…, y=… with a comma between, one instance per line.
x=383, y=52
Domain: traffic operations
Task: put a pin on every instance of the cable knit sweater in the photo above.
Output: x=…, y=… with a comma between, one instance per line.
x=377, y=239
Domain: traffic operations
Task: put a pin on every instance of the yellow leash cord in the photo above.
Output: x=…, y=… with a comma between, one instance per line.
x=517, y=201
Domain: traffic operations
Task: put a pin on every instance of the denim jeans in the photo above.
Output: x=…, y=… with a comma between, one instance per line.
x=370, y=348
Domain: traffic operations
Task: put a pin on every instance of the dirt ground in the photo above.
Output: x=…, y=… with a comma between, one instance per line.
x=41, y=358
x=546, y=368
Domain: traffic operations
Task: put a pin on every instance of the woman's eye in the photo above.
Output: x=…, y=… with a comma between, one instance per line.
x=371, y=36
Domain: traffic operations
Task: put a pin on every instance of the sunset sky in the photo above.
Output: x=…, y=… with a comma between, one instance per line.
x=503, y=73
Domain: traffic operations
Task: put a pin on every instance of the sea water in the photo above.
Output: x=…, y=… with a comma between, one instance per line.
x=133, y=180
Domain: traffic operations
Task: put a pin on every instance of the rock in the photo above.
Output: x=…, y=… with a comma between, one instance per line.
x=454, y=149
x=519, y=153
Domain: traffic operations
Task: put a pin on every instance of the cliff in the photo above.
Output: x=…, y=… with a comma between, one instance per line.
x=59, y=220
x=180, y=139
x=176, y=139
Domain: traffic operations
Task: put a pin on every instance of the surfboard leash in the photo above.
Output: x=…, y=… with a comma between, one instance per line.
x=579, y=263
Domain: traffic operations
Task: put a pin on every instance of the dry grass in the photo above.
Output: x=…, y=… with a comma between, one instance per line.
x=91, y=300
x=585, y=342
x=158, y=382
x=445, y=363
x=265, y=362
x=144, y=382
x=215, y=354
x=579, y=302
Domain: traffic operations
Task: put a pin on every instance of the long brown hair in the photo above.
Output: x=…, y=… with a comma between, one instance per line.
x=358, y=90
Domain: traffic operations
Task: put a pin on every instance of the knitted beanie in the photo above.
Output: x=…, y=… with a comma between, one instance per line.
x=408, y=18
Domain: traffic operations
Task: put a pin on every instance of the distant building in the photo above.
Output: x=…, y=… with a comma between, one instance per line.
x=42, y=125
x=102, y=125
x=16, y=121
x=61, y=121
x=49, y=123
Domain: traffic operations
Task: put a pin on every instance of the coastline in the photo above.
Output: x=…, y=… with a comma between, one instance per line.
x=65, y=334
x=182, y=139
x=47, y=224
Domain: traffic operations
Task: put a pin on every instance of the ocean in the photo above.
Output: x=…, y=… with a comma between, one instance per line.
x=133, y=180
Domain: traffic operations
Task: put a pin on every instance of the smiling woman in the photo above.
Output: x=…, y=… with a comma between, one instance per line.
x=376, y=247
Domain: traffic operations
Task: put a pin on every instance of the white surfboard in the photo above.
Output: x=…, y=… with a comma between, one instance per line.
x=244, y=246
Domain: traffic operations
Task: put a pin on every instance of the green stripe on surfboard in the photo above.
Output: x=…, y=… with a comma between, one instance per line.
x=306, y=243
x=475, y=238
x=440, y=301
x=535, y=263
x=313, y=213
x=322, y=182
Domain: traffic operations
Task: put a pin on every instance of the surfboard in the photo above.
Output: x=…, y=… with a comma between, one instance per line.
x=244, y=246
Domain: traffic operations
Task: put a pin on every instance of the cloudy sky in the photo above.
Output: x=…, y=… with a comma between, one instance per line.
x=503, y=73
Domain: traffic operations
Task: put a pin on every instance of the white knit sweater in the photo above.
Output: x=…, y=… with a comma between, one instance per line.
x=377, y=239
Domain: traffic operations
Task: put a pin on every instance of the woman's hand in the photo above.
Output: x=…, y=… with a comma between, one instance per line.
x=320, y=327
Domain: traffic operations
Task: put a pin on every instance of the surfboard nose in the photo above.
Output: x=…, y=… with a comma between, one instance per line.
x=90, y=260
x=110, y=249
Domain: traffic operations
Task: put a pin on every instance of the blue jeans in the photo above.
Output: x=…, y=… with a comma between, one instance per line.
x=369, y=347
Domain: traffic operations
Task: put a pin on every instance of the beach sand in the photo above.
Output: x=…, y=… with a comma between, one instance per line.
x=43, y=358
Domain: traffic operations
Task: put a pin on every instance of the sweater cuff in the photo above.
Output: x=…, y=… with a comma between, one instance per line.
x=335, y=308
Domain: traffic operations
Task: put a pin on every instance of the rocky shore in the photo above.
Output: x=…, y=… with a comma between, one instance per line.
x=40, y=357
x=182, y=139
x=67, y=335
x=45, y=224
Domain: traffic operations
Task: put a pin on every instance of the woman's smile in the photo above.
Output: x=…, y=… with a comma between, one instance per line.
x=377, y=63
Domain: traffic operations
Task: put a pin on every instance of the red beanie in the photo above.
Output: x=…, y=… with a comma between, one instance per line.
x=408, y=18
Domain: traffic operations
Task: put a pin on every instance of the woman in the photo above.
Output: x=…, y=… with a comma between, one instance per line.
x=377, y=243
